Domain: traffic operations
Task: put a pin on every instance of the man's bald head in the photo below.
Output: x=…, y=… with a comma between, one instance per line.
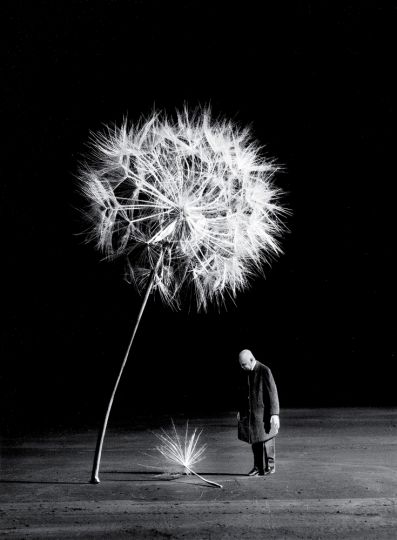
x=246, y=359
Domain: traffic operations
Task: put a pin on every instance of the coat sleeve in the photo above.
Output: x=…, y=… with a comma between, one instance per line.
x=272, y=396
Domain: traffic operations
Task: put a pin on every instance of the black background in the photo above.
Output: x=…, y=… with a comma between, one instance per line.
x=316, y=83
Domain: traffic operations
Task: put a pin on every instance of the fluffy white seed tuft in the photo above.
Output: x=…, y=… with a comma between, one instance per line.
x=195, y=193
x=181, y=450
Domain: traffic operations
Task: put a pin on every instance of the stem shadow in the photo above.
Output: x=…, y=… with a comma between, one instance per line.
x=43, y=482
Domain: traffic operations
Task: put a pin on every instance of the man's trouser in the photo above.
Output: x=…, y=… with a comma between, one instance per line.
x=265, y=454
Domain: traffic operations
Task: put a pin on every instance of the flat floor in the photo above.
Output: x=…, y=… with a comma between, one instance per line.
x=336, y=478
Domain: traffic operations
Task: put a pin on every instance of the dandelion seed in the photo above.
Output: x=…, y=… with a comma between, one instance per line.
x=183, y=450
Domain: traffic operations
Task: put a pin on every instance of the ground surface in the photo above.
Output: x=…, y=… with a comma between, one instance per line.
x=336, y=478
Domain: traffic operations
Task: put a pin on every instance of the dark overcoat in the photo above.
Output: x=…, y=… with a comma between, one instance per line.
x=258, y=401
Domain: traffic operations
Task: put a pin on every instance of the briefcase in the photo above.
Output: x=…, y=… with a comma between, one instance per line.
x=243, y=431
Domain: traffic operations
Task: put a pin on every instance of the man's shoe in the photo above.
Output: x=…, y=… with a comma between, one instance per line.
x=257, y=473
x=253, y=472
x=270, y=470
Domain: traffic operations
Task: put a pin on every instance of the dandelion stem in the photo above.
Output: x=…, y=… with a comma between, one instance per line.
x=101, y=434
x=204, y=479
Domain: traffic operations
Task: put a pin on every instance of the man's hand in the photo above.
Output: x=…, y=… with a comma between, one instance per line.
x=238, y=416
x=275, y=421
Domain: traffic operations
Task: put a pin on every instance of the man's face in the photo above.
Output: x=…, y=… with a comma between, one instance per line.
x=246, y=361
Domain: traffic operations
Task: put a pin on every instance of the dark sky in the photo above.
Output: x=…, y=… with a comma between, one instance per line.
x=316, y=83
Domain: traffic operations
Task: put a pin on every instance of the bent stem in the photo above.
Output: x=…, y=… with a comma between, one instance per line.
x=202, y=478
x=101, y=434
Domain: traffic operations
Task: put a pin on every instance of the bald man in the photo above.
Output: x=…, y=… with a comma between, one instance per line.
x=258, y=414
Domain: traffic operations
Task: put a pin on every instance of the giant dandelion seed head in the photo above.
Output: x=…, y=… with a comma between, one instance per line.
x=192, y=198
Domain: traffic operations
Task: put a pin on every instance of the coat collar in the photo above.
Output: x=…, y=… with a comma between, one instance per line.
x=254, y=369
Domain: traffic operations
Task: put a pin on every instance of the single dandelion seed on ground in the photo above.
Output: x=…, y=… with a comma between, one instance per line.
x=183, y=450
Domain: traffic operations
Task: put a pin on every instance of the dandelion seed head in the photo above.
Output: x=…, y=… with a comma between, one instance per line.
x=195, y=192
